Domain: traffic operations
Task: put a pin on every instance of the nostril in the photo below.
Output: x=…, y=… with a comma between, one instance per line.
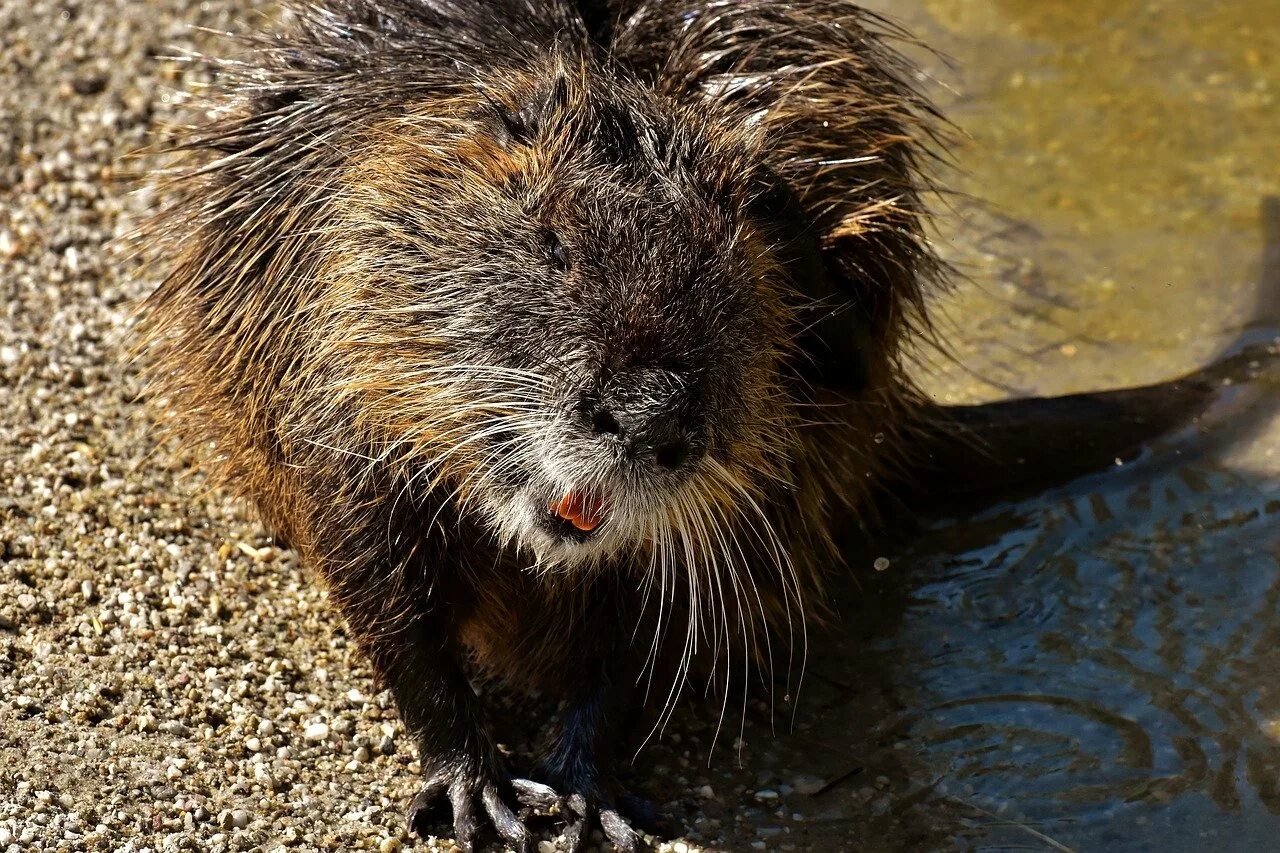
x=672, y=454
x=603, y=422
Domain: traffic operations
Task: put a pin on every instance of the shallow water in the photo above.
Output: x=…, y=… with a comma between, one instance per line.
x=1096, y=668
x=1118, y=153
x=1100, y=663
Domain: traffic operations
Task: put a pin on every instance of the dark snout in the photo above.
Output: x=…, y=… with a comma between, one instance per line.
x=651, y=413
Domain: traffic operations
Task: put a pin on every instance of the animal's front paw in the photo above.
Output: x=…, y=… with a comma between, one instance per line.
x=473, y=797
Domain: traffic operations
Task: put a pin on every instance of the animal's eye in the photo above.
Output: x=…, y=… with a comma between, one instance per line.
x=517, y=124
x=509, y=125
x=556, y=252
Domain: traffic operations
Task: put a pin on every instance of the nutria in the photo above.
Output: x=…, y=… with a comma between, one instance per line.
x=560, y=338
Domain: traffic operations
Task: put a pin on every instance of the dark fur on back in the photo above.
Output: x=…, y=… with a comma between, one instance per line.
x=413, y=241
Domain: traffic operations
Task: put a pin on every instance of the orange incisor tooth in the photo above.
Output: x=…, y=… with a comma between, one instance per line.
x=583, y=511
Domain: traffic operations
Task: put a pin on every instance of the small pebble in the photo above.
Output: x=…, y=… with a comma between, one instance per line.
x=316, y=732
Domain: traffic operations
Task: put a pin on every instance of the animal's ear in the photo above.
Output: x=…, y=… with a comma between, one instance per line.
x=835, y=325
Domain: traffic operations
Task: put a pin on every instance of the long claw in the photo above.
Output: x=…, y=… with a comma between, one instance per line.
x=465, y=826
x=504, y=820
x=536, y=795
x=578, y=831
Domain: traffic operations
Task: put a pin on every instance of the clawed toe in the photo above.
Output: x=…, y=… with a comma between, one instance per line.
x=470, y=799
x=424, y=808
x=589, y=812
x=537, y=796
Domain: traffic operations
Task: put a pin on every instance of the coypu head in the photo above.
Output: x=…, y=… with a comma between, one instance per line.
x=579, y=285
x=571, y=306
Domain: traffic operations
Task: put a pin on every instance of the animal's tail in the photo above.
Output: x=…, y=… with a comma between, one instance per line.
x=1039, y=442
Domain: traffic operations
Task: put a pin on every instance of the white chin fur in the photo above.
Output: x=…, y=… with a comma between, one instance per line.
x=519, y=518
x=519, y=522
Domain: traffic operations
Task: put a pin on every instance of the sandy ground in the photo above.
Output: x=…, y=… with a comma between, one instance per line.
x=165, y=682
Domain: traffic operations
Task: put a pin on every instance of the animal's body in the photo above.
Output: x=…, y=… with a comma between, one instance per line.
x=558, y=336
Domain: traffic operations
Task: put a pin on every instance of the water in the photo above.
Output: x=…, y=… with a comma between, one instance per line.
x=1096, y=668
x=1099, y=663
x=1120, y=152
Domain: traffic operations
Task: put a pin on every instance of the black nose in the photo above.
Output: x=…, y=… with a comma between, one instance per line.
x=651, y=413
x=659, y=437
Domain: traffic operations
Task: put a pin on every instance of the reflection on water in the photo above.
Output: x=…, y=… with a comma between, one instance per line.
x=1097, y=668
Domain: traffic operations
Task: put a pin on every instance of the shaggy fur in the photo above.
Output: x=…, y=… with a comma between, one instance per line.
x=417, y=247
